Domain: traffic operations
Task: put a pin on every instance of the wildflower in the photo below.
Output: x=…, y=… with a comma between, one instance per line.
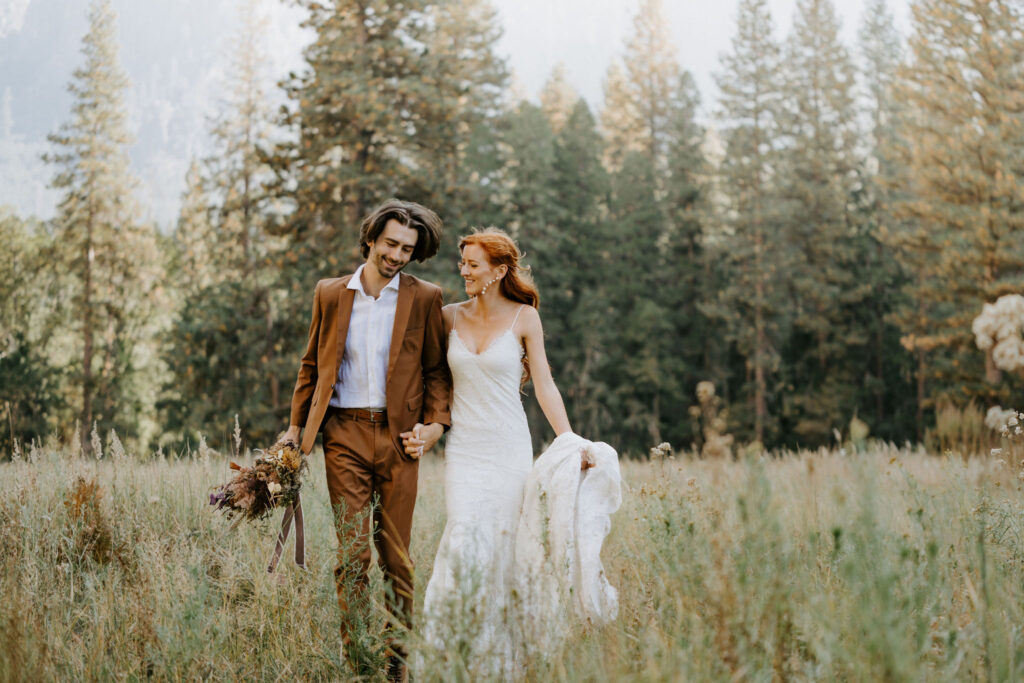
x=999, y=419
x=998, y=330
x=661, y=451
x=273, y=487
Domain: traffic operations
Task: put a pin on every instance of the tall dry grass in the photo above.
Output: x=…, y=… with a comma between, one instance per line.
x=887, y=565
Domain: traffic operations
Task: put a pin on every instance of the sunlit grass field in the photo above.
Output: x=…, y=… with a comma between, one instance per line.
x=885, y=565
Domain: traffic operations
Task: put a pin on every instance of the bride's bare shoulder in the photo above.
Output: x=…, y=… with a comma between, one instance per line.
x=448, y=313
x=528, y=321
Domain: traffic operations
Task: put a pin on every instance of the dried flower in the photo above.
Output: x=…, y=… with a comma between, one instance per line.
x=273, y=480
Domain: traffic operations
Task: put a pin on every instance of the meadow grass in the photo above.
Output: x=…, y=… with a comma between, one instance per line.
x=886, y=565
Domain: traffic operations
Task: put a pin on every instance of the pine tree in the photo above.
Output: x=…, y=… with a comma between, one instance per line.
x=750, y=303
x=817, y=175
x=558, y=99
x=581, y=186
x=639, y=365
x=30, y=381
x=619, y=118
x=194, y=236
x=110, y=257
x=398, y=98
x=651, y=72
x=354, y=109
x=882, y=55
x=886, y=380
x=237, y=172
x=529, y=148
x=224, y=345
x=687, y=272
x=454, y=151
x=960, y=142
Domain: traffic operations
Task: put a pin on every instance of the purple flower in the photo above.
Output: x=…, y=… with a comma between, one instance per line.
x=217, y=498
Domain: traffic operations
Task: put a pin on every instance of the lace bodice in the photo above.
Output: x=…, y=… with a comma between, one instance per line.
x=488, y=382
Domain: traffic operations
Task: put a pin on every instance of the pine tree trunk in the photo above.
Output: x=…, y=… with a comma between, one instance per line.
x=87, y=340
x=275, y=384
x=653, y=420
x=246, y=219
x=760, y=342
x=920, y=395
x=879, y=369
x=992, y=373
x=879, y=350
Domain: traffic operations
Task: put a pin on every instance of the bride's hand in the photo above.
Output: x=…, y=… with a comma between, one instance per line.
x=421, y=438
x=586, y=460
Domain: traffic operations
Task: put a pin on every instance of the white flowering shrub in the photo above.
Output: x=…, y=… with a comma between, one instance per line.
x=998, y=419
x=999, y=329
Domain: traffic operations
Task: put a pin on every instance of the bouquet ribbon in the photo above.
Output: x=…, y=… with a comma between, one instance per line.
x=291, y=513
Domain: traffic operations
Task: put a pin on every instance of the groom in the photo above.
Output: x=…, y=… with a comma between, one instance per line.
x=375, y=382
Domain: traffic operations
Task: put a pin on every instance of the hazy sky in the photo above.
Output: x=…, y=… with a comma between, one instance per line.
x=586, y=34
x=174, y=52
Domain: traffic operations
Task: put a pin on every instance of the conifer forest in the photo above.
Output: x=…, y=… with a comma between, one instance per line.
x=832, y=254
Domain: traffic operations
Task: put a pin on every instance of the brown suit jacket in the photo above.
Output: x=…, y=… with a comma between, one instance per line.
x=418, y=384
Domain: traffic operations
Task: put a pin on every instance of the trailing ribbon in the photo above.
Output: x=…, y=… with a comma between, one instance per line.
x=290, y=513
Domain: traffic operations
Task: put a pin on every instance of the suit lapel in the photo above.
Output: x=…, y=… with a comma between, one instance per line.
x=345, y=300
x=404, y=305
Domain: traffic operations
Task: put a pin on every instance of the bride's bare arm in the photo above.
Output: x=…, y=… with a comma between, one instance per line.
x=448, y=314
x=548, y=397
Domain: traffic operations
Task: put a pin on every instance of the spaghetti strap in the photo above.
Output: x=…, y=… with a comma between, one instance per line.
x=455, y=319
x=521, y=307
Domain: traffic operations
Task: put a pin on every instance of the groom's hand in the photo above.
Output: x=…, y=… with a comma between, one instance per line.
x=421, y=438
x=292, y=434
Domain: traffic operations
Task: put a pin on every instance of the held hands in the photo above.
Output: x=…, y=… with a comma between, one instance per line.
x=421, y=438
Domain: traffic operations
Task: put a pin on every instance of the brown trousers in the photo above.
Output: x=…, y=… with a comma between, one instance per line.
x=365, y=468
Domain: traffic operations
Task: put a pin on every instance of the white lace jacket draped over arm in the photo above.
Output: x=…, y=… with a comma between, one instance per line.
x=564, y=521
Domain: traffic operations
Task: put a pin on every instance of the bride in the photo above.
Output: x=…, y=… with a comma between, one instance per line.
x=495, y=343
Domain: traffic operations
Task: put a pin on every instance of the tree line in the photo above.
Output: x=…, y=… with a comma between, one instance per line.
x=816, y=248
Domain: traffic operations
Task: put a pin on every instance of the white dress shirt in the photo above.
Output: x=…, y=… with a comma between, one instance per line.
x=363, y=372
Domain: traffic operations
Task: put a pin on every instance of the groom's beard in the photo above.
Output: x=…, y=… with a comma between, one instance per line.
x=388, y=270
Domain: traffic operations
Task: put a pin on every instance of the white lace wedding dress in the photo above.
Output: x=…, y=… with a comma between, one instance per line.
x=476, y=602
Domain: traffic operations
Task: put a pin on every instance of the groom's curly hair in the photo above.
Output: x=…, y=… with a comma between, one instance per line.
x=410, y=214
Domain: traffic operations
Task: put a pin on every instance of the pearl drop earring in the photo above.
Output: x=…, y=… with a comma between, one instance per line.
x=484, y=290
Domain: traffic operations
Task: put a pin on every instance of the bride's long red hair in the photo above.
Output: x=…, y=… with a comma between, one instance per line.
x=517, y=285
x=501, y=250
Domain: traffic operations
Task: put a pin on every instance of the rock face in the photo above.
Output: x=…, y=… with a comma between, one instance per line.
x=176, y=55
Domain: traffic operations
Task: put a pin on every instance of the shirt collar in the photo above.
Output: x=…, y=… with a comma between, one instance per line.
x=356, y=282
